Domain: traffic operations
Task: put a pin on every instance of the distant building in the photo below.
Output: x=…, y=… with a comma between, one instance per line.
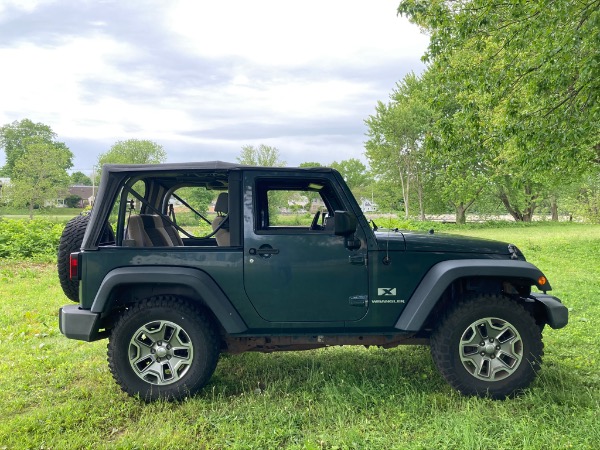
x=368, y=205
x=85, y=193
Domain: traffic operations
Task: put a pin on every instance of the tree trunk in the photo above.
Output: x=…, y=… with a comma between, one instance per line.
x=461, y=213
x=528, y=215
x=530, y=209
x=421, y=208
x=514, y=212
x=405, y=191
x=31, y=210
x=554, y=208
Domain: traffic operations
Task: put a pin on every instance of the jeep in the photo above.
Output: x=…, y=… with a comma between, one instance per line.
x=286, y=261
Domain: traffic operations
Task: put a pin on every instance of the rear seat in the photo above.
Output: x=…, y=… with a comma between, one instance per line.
x=149, y=230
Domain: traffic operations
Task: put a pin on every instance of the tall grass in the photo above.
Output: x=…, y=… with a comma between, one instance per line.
x=58, y=393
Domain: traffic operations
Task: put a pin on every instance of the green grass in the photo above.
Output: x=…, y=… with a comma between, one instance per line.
x=58, y=393
x=57, y=214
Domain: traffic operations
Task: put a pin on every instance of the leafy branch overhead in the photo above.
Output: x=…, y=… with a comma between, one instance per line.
x=535, y=66
x=511, y=91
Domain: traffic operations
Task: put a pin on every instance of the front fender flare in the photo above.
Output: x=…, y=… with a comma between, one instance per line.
x=441, y=275
x=199, y=281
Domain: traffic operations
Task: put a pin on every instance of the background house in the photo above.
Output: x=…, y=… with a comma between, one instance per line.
x=86, y=195
x=368, y=205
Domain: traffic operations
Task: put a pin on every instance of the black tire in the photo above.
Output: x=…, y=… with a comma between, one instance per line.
x=488, y=346
x=70, y=241
x=162, y=348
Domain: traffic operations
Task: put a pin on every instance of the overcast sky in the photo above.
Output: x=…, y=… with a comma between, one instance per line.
x=203, y=78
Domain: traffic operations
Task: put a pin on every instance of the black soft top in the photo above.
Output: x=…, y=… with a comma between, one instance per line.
x=207, y=165
x=113, y=175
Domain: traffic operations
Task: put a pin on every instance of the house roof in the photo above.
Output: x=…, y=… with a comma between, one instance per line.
x=82, y=191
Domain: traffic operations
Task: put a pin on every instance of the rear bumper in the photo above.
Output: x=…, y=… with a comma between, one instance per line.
x=557, y=314
x=80, y=324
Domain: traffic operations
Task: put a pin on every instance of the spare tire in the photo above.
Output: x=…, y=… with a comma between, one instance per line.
x=70, y=242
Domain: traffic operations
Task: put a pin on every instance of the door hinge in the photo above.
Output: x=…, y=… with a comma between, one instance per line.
x=359, y=300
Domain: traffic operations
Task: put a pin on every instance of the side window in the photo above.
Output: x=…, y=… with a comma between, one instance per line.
x=165, y=209
x=194, y=209
x=294, y=206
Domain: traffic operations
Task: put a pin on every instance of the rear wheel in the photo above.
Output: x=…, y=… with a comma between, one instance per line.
x=488, y=346
x=162, y=348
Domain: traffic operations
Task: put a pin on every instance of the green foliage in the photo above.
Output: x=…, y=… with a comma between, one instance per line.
x=39, y=175
x=80, y=179
x=354, y=172
x=133, y=151
x=29, y=239
x=15, y=137
x=198, y=198
x=61, y=394
x=395, y=150
x=583, y=198
x=516, y=89
x=72, y=201
x=263, y=155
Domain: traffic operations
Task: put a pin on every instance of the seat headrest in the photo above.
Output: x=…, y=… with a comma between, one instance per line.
x=222, y=203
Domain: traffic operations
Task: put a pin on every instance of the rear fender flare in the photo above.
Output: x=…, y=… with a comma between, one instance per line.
x=196, y=280
x=441, y=275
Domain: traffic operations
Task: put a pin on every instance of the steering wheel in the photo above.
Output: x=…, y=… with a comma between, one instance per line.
x=315, y=222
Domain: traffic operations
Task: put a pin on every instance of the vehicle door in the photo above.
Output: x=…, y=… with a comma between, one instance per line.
x=296, y=269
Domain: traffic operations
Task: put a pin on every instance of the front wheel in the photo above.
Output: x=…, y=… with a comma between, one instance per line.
x=162, y=348
x=488, y=346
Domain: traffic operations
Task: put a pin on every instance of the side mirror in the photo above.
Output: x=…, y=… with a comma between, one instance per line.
x=345, y=223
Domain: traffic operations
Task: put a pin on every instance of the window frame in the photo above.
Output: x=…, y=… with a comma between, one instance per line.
x=263, y=185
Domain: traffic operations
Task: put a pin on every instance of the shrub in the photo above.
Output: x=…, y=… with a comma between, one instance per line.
x=29, y=239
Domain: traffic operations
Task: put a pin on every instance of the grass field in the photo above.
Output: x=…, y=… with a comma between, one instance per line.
x=58, y=214
x=58, y=393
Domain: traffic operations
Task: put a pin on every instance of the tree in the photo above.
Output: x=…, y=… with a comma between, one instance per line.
x=198, y=198
x=133, y=151
x=39, y=175
x=72, y=201
x=80, y=179
x=263, y=155
x=310, y=164
x=15, y=137
x=397, y=133
x=353, y=171
x=527, y=74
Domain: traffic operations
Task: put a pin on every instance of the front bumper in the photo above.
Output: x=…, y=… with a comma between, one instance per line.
x=80, y=324
x=557, y=314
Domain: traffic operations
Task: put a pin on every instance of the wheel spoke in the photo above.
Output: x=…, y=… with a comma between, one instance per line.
x=160, y=352
x=491, y=349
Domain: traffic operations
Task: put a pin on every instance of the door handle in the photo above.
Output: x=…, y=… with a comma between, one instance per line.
x=266, y=251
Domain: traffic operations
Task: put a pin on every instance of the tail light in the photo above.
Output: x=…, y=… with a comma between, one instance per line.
x=74, y=266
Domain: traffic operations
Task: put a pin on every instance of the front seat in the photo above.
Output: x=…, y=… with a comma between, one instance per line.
x=222, y=210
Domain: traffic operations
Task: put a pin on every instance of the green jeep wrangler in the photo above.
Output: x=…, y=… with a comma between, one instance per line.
x=288, y=263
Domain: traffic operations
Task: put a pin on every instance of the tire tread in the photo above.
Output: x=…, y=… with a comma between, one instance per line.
x=443, y=353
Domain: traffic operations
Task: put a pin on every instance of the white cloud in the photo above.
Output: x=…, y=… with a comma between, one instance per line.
x=276, y=33
x=22, y=5
x=274, y=66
